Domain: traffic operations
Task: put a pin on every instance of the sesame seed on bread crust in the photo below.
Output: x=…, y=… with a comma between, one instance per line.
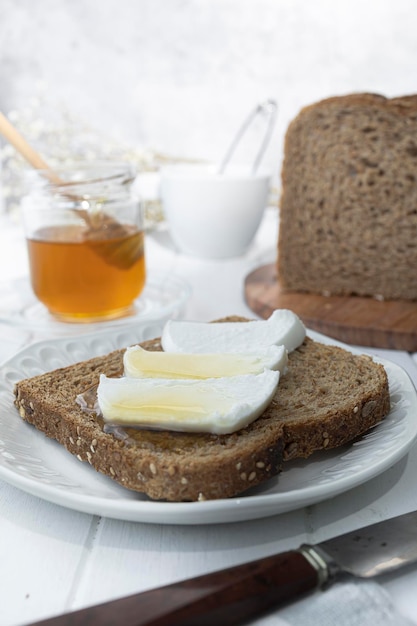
x=326, y=398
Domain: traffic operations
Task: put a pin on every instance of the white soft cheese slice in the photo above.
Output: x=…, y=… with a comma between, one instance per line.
x=282, y=328
x=219, y=406
x=140, y=363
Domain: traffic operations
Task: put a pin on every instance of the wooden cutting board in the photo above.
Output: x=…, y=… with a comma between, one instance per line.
x=352, y=319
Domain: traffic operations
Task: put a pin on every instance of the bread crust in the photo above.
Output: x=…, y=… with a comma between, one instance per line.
x=189, y=466
x=348, y=217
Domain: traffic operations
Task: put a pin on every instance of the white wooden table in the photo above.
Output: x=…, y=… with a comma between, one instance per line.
x=54, y=559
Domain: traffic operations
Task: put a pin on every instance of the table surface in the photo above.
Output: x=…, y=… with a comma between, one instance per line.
x=56, y=559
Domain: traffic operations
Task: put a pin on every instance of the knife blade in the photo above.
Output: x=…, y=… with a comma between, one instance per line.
x=238, y=594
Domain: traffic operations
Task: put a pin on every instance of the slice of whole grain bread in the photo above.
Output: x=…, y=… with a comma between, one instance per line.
x=327, y=397
x=348, y=211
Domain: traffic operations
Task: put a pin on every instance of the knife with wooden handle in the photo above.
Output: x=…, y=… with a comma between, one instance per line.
x=238, y=594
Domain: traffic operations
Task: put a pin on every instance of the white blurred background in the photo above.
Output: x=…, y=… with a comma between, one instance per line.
x=177, y=77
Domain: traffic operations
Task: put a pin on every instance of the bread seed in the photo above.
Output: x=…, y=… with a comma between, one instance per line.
x=112, y=472
x=78, y=442
x=326, y=443
x=79, y=457
x=31, y=406
x=368, y=408
x=201, y=497
x=325, y=435
x=94, y=442
x=243, y=475
x=92, y=448
x=78, y=431
x=238, y=466
x=22, y=411
x=152, y=468
x=356, y=409
x=291, y=450
x=71, y=440
x=260, y=464
x=252, y=476
x=184, y=480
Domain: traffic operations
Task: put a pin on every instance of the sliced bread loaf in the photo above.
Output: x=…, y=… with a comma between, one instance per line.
x=327, y=398
x=348, y=214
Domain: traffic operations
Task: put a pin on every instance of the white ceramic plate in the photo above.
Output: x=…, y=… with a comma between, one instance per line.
x=163, y=297
x=30, y=461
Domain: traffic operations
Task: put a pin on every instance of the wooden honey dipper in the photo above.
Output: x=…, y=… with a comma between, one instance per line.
x=117, y=245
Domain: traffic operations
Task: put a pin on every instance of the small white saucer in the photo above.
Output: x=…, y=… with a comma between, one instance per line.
x=163, y=297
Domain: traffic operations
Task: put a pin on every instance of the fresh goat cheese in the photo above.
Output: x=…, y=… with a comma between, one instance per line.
x=219, y=406
x=282, y=328
x=140, y=363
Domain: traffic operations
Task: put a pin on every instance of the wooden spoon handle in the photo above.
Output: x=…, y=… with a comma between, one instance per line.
x=230, y=596
x=13, y=136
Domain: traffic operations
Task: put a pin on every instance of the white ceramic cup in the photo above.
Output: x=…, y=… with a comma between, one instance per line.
x=211, y=215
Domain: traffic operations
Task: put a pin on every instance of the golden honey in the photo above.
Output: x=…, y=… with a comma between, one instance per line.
x=83, y=278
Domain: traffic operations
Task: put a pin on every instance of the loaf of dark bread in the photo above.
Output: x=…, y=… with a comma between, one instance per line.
x=327, y=397
x=348, y=213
